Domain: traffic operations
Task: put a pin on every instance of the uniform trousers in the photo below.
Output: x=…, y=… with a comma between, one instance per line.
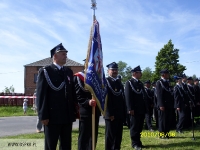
x=136, y=126
x=188, y=122
x=113, y=134
x=181, y=120
x=85, y=132
x=164, y=121
x=148, y=118
x=155, y=111
x=53, y=132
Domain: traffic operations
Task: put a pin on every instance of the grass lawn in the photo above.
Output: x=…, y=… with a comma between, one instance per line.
x=178, y=142
x=8, y=111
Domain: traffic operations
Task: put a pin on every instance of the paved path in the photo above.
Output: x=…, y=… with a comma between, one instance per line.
x=24, y=124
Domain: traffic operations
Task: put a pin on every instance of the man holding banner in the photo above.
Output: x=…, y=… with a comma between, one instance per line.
x=95, y=81
x=85, y=103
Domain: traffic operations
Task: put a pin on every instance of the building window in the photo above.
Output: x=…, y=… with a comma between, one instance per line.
x=35, y=77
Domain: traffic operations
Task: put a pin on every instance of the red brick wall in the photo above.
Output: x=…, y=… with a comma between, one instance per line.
x=29, y=85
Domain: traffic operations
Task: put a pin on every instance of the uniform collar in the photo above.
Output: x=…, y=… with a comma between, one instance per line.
x=189, y=85
x=115, y=79
x=135, y=79
x=58, y=66
x=164, y=79
x=180, y=85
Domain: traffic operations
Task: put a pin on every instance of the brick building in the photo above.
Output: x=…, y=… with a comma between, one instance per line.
x=31, y=72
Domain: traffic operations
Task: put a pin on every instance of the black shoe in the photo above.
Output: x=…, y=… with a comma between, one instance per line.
x=151, y=130
x=164, y=137
x=137, y=147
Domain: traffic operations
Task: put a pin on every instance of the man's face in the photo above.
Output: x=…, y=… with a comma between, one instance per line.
x=148, y=85
x=137, y=74
x=196, y=82
x=113, y=72
x=190, y=82
x=179, y=81
x=184, y=79
x=166, y=75
x=60, y=57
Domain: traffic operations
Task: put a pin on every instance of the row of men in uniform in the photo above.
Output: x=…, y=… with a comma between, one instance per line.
x=59, y=90
x=189, y=91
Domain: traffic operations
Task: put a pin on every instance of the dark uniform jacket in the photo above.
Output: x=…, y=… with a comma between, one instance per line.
x=179, y=100
x=149, y=97
x=153, y=91
x=116, y=105
x=191, y=94
x=135, y=98
x=197, y=93
x=83, y=98
x=164, y=95
x=186, y=96
x=54, y=105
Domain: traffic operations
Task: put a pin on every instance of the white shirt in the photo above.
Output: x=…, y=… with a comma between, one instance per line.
x=113, y=78
x=59, y=67
x=135, y=79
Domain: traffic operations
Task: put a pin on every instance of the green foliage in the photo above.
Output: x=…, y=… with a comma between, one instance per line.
x=10, y=89
x=168, y=57
x=146, y=74
x=194, y=76
x=124, y=71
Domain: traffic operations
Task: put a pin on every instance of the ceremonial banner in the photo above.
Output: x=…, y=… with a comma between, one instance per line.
x=95, y=80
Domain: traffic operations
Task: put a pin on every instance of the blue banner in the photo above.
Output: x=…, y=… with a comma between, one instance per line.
x=95, y=80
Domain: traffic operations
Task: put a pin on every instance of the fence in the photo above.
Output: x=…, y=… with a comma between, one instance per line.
x=15, y=99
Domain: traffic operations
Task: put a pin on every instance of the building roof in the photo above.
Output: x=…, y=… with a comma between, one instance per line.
x=48, y=61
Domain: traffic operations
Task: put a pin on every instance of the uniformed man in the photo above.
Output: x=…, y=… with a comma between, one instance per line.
x=197, y=98
x=180, y=104
x=155, y=109
x=85, y=103
x=191, y=95
x=173, y=111
x=187, y=122
x=164, y=104
x=149, y=98
x=56, y=101
x=115, y=114
x=136, y=105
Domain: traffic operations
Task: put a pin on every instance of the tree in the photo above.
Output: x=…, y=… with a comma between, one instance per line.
x=168, y=58
x=124, y=71
x=194, y=76
x=10, y=89
x=146, y=74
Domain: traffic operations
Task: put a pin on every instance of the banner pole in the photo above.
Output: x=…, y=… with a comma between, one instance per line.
x=93, y=128
x=93, y=107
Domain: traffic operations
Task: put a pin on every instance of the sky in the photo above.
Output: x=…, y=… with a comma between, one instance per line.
x=132, y=31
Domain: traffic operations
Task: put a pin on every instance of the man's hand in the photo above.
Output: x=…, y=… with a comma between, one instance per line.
x=131, y=112
x=162, y=108
x=45, y=122
x=178, y=109
x=92, y=102
x=112, y=118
